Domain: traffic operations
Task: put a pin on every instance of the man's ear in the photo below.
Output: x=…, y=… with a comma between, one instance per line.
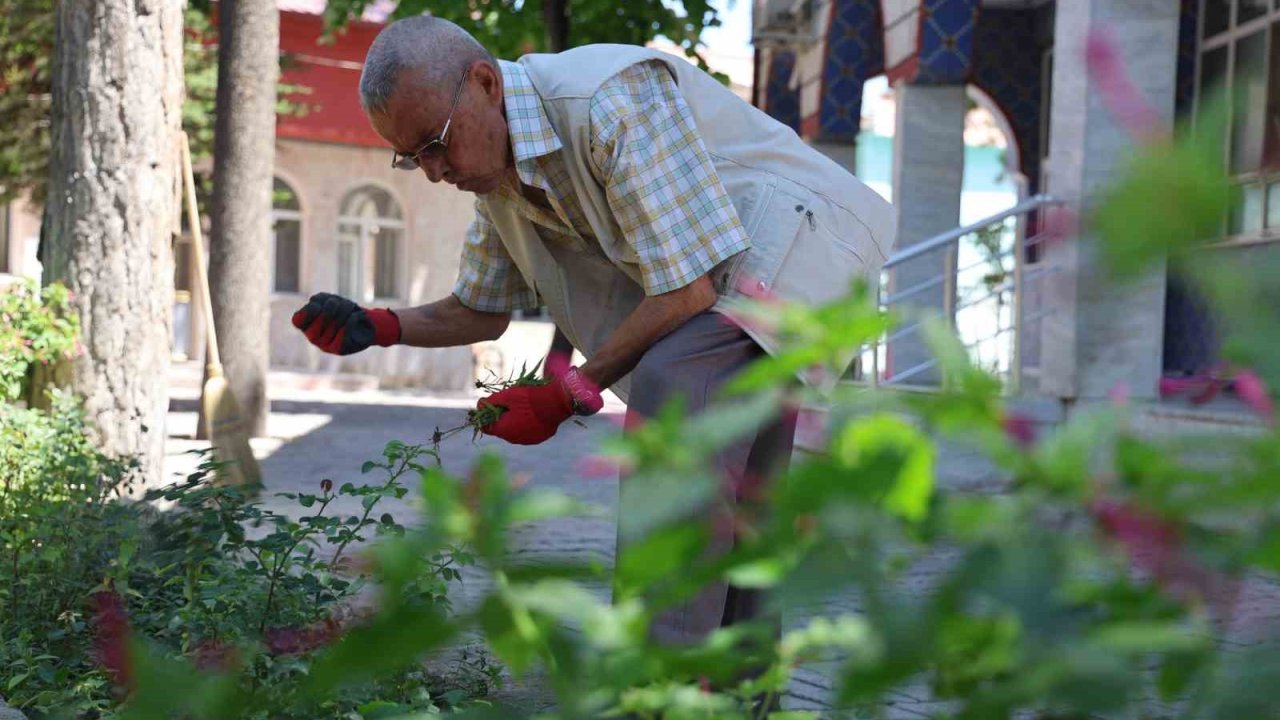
x=489, y=78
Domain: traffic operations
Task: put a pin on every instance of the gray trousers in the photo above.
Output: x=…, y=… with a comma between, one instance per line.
x=695, y=361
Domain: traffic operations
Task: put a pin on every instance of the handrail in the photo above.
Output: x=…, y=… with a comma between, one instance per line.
x=951, y=306
x=914, y=251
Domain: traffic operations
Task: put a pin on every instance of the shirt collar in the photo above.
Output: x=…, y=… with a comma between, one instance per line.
x=532, y=135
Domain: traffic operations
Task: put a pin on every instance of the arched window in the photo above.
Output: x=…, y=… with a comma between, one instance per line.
x=370, y=227
x=286, y=222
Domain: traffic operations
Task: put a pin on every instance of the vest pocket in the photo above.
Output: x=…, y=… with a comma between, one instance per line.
x=774, y=230
x=826, y=256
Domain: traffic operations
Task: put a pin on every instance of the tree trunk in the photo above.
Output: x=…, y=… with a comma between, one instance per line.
x=112, y=206
x=243, y=162
x=555, y=16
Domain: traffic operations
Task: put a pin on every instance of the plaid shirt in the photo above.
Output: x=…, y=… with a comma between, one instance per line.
x=662, y=187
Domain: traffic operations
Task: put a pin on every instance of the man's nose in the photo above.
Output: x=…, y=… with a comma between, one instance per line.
x=433, y=168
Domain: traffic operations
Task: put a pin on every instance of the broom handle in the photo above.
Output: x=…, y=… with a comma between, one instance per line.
x=197, y=242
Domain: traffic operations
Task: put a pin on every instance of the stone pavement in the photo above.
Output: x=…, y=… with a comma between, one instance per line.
x=317, y=434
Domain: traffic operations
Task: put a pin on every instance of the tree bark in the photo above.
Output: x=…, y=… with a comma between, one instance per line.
x=244, y=158
x=111, y=209
x=555, y=16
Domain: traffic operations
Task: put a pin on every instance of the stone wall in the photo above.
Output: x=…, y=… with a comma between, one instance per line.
x=436, y=219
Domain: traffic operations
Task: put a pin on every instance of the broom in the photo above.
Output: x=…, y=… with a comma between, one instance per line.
x=228, y=431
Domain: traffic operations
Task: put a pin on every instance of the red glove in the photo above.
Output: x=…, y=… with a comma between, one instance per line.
x=533, y=413
x=339, y=326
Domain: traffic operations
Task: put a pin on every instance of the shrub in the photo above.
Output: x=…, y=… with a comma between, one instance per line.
x=38, y=330
x=215, y=577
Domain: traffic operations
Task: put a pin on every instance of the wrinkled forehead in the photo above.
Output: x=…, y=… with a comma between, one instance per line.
x=414, y=110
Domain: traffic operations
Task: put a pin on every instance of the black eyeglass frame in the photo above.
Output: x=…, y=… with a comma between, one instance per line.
x=437, y=146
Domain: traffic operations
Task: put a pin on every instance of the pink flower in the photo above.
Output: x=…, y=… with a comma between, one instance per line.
x=1253, y=391
x=599, y=467
x=1020, y=429
x=1155, y=547
x=1200, y=389
x=1056, y=225
x=755, y=288
x=295, y=641
x=111, y=637
x=633, y=421
x=749, y=321
x=1120, y=96
x=1119, y=394
x=750, y=486
x=214, y=655
x=809, y=424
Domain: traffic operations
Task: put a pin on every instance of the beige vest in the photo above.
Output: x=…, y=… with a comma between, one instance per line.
x=813, y=226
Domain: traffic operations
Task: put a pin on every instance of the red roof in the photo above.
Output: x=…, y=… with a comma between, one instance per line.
x=332, y=73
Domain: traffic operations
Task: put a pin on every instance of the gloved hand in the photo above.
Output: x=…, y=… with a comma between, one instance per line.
x=339, y=326
x=533, y=413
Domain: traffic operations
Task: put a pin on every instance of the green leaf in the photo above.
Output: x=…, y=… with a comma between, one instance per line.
x=392, y=640
x=368, y=466
x=540, y=505
x=1178, y=671
x=1173, y=197
x=381, y=709
x=643, y=562
x=1139, y=637
x=763, y=573
x=513, y=637
x=888, y=441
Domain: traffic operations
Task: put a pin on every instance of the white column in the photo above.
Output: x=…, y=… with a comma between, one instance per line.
x=928, y=172
x=1100, y=334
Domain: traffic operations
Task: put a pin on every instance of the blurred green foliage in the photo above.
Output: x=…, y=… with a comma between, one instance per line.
x=38, y=330
x=511, y=28
x=1097, y=581
x=26, y=43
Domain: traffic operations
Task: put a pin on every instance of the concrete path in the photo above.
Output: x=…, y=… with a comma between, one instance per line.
x=317, y=434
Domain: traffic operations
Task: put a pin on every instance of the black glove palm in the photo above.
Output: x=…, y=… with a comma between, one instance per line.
x=339, y=326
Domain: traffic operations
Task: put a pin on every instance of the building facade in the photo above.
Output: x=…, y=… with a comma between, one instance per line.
x=344, y=221
x=1025, y=60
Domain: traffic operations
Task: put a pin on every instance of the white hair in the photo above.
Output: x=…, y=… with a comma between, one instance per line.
x=438, y=50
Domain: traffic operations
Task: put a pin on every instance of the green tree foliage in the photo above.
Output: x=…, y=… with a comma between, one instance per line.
x=26, y=37
x=510, y=28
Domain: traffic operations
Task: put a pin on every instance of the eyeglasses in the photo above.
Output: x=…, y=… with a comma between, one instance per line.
x=436, y=147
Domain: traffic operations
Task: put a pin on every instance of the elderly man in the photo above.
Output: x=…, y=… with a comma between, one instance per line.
x=630, y=193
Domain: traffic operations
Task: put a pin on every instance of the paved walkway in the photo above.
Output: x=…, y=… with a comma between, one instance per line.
x=328, y=434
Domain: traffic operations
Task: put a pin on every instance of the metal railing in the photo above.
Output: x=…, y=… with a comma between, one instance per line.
x=986, y=289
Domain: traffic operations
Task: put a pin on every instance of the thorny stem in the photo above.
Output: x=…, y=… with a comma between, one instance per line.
x=278, y=569
x=13, y=595
x=404, y=464
x=764, y=707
